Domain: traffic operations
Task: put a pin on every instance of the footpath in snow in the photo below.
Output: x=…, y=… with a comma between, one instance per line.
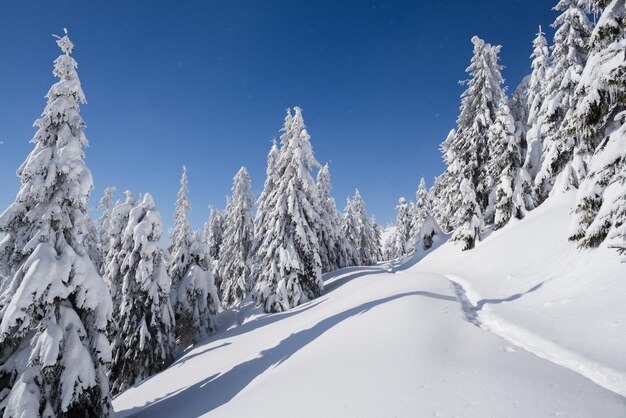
x=377, y=344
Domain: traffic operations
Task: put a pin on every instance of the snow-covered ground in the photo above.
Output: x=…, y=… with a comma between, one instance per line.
x=441, y=336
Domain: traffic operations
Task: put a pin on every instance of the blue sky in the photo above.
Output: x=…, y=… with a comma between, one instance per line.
x=206, y=84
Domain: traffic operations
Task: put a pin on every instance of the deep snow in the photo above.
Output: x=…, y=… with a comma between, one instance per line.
x=405, y=341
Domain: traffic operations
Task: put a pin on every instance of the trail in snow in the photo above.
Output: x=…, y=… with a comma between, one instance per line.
x=607, y=377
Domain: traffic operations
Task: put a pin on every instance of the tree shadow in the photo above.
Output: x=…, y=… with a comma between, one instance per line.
x=471, y=311
x=337, y=283
x=211, y=393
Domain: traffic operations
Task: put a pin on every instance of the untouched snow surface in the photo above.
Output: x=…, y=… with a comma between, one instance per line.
x=414, y=339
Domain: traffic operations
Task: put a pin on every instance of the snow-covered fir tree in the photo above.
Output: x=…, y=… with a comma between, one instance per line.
x=288, y=263
x=91, y=242
x=519, y=110
x=235, y=263
x=358, y=231
x=536, y=94
x=144, y=344
x=422, y=208
x=334, y=253
x=377, y=243
x=444, y=194
x=104, y=221
x=180, y=239
x=56, y=308
x=195, y=301
x=403, y=229
x=512, y=190
x=214, y=232
x=479, y=102
x=568, y=58
x=599, y=119
x=387, y=250
x=350, y=228
x=193, y=294
x=115, y=253
x=471, y=227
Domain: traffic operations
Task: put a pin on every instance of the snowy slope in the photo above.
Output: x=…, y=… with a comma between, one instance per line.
x=570, y=307
x=404, y=343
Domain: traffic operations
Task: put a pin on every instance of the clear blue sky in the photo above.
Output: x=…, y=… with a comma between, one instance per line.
x=206, y=84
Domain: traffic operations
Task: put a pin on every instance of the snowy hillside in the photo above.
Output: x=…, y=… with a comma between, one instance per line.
x=403, y=340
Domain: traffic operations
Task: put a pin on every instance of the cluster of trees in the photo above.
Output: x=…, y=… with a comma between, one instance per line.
x=563, y=128
x=411, y=221
x=88, y=309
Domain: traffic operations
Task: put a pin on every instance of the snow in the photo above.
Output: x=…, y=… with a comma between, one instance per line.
x=401, y=339
x=570, y=307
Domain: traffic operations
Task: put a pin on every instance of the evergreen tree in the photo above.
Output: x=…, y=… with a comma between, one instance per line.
x=377, y=243
x=366, y=245
x=569, y=55
x=445, y=194
x=512, y=191
x=289, y=266
x=351, y=231
x=196, y=300
x=403, y=229
x=519, y=110
x=115, y=254
x=333, y=251
x=180, y=239
x=91, y=242
x=479, y=104
x=238, y=237
x=145, y=342
x=423, y=208
x=599, y=119
x=193, y=293
x=536, y=95
x=56, y=308
x=214, y=232
x=106, y=206
x=472, y=225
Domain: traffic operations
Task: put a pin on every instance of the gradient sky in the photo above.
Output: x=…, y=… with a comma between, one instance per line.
x=206, y=84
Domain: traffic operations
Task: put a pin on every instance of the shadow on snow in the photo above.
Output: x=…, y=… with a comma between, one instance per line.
x=217, y=390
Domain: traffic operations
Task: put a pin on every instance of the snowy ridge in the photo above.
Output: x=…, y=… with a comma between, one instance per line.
x=475, y=310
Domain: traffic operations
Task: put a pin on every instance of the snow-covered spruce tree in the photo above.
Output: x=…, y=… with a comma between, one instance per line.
x=235, y=262
x=568, y=58
x=444, y=194
x=289, y=266
x=104, y=221
x=403, y=229
x=519, y=110
x=599, y=121
x=512, y=190
x=56, y=307
x=214, y=232
x=115, y=254
x=180, y=239
x=334, y=253
x=479, y=103
x=196, y=298
x=91, y=242
x=422, y=208
x=470, y=214
x=359, y=227
x=144, y=344
x=387, y=250
x=377, y=243
x=193, y=294
x=351, y=231
x=536, y=95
